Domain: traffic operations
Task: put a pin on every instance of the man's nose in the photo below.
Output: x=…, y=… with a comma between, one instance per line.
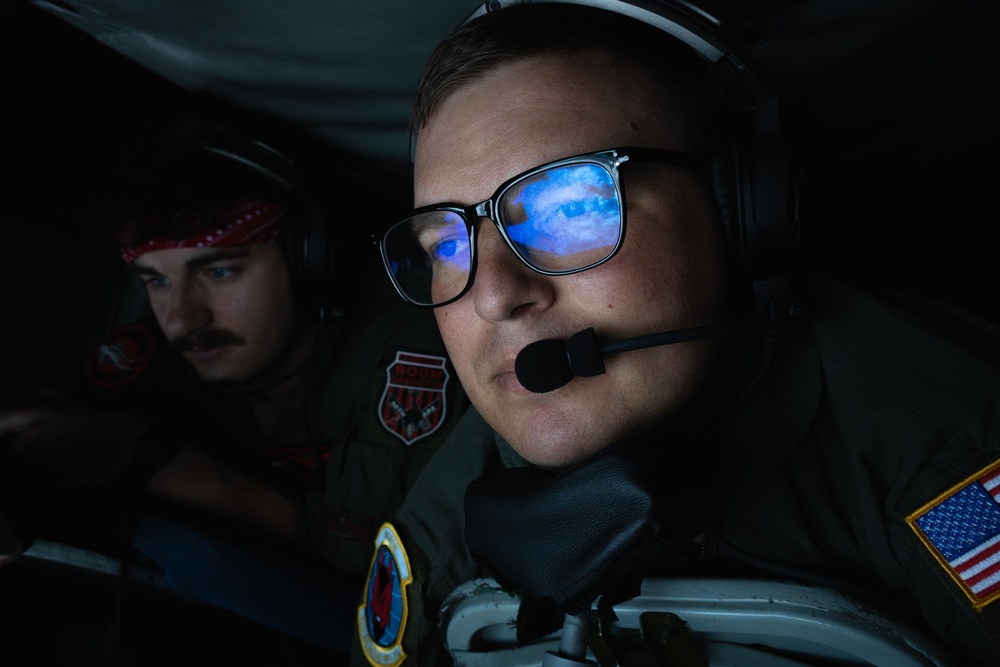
x=187, y=311
x=504, y=285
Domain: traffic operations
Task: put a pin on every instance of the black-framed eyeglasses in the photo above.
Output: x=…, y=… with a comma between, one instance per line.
x=559, y=218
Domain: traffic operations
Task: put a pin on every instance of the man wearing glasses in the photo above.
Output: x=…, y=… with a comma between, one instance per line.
x=565, y=206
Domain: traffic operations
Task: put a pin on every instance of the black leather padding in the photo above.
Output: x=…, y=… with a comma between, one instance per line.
x=567, y=538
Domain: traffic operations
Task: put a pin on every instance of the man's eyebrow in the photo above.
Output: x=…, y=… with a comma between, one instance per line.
x=199, y=261
x=424, y=223
x=216, y=256
x=145, y=271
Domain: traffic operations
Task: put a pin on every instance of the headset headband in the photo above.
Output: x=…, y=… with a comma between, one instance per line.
x=690, y=24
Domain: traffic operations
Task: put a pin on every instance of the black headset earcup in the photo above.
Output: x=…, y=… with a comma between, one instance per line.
x=753, y=177
x=752, y=183
x=724, y=174
x=769, y=228
x=310, y=258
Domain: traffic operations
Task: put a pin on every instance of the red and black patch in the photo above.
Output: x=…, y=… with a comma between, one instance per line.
x=122, y=358
x=413, y=401
x=300, y=462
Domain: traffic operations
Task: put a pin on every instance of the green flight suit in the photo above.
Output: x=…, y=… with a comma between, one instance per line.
x=867, y=418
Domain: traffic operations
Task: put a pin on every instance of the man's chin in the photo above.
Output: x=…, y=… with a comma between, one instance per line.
x=223, y=378
x=555, y=442
x=222, y=383
x=220, y=376
x=229, y=374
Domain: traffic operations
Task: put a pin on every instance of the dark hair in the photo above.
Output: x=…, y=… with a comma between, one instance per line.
x=527, y=30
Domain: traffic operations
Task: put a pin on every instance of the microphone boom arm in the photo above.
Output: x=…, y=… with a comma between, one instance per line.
x=676, y=336
x=546, y=365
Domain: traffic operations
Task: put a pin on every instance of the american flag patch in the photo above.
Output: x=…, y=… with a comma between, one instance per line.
x=961, y=527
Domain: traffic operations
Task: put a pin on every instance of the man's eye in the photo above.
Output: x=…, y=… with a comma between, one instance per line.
x=448, y=248
x=154, y=282
x=447, y=241
x=219, y=272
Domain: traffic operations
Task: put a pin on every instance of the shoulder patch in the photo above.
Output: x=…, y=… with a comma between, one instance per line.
x=122, y=358
x=382, y=616
x=961, y=527
x=413, y=401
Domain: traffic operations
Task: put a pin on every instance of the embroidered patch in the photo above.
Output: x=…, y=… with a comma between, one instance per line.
x=122, y=358
x=382, y=617
x=413, y=401
x=961, y=527
x=301, y=462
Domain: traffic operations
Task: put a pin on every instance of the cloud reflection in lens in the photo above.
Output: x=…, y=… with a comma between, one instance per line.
x=566, y=217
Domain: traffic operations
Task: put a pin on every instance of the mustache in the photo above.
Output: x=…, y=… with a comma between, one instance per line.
x=206, y=339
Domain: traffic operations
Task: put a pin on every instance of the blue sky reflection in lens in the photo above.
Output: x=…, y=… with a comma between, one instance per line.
x=564, y=218
x=561, y=219
x=448, y=242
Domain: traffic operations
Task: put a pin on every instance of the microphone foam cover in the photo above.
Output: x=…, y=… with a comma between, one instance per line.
x=543, y=366
x=584, y=357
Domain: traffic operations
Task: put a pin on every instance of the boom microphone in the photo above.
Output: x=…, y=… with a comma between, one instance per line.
x=546, y=365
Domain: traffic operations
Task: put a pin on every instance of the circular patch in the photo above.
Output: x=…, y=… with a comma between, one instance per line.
x=382, y=617
x=122, y=358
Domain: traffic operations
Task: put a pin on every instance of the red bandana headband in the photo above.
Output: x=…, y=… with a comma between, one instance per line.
x=243, y=222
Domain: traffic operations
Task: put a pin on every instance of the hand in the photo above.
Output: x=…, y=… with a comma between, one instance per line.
x=198, y=480
x=71, y=445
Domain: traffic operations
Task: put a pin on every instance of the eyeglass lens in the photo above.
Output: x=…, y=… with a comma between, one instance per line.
x=558, y=220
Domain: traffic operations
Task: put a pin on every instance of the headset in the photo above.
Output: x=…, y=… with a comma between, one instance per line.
x=308, y=246
x=754, y=176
